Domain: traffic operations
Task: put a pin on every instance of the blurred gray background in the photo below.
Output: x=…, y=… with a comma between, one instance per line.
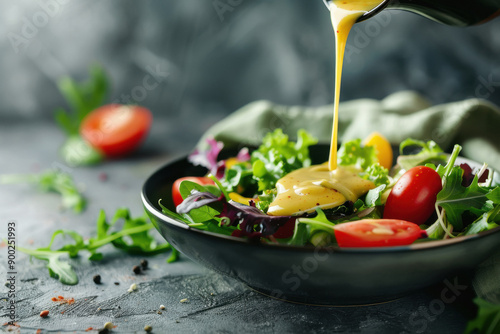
x=192, y=62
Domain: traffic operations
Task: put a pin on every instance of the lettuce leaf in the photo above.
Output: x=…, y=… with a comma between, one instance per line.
x=277, y=156
x=352, y=153
x=428, y=152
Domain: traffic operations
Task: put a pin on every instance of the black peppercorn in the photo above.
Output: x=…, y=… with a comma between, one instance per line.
x=97, y=279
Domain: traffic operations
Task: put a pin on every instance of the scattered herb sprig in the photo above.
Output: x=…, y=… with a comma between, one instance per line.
x=132, y=238
x=82, y=98
x=52, y=181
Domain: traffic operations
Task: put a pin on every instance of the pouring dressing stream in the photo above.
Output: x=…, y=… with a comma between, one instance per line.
x=344, y=13
x=326, y=186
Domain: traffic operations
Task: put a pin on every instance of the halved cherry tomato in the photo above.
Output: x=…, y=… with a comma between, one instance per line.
x=382, y=147
x=377, y=233
x=116, y=129
x=414, y=195
x=176, y=195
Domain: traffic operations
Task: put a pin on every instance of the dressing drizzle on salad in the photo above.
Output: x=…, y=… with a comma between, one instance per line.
x=326, y=186
x=308, y=188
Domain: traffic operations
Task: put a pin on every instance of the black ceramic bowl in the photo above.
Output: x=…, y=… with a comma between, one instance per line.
x=325, y=276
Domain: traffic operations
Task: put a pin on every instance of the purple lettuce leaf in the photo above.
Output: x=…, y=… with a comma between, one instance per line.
x=208, y=158
x=252, y=222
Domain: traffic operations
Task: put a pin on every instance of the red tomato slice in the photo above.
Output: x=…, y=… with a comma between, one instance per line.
x=377, y=233
x=116, y=129
x=176, y=195
x=414, y=195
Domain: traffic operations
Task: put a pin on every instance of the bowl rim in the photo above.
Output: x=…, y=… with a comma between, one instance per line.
x=421, y=246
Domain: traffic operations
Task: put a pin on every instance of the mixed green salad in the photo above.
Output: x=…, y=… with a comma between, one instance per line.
x=426, y=195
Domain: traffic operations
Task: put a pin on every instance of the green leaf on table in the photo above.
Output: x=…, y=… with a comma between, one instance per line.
x=82, y=98
x=52, y=181
x=77, y=152
x=132, y=238
x=61, y=270
x=487, y=319
x=58, y=268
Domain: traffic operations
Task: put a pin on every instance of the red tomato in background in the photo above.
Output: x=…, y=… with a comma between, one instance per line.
x=414, y=195
x=176, y=195
x=377, y=233
x=116, y=129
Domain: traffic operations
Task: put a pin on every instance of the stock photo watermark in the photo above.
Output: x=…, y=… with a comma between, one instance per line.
x=156, y=75
x=425, y=314
x=361, y=36
x=11, y=274
x=297, y=273
x=488, y=84
x=32, y=24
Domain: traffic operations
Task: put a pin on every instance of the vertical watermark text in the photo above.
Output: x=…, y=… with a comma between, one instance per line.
x=11, y=272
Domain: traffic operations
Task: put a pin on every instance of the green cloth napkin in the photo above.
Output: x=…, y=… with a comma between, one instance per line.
x=472, y=123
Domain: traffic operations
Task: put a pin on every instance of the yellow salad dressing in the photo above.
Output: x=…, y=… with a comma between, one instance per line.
x=344, y=14
x=326, y=186
x=305, y=189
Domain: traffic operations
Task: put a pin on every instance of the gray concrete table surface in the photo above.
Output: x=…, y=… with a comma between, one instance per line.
x=216, y=304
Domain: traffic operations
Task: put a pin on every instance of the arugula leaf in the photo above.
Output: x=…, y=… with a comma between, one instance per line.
x=428, y=152
x=58, y=269
x=352, y=153
x=487, y=319
x=456, y=199
x=52, y=181
x=133, y=238
x=483, y=223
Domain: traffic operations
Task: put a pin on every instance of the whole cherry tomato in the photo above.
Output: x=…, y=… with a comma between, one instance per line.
x=413, y=197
